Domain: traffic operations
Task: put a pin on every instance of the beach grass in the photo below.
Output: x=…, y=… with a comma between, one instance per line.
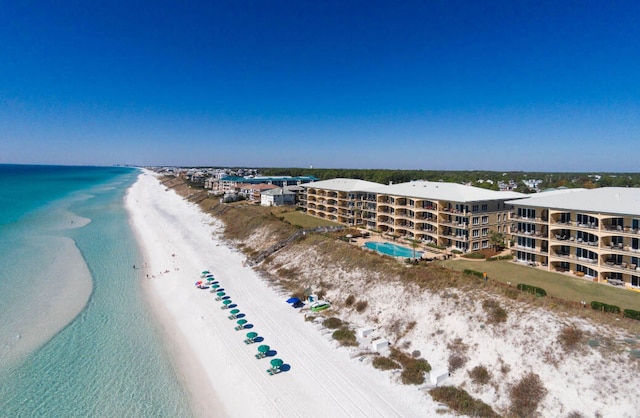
x=561, y=286
x=242, y=220
x=302, y=220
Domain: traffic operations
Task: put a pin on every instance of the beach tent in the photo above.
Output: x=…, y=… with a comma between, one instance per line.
x=262, y=351
x=293, y=300
x=241, y=323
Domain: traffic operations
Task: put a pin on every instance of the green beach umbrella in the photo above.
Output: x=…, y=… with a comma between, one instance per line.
x=234, y=311
x=264, y=349
x=276, y=363
x=252, y=335
x=241, y=322
x=227, y=302
x=215, y=286
x=220, y=294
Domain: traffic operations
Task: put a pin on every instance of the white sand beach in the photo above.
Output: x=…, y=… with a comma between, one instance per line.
x=597, y=378
x=219, y=369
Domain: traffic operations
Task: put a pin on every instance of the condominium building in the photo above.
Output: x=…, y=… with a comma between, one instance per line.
x=593, y=233
x=447, y=214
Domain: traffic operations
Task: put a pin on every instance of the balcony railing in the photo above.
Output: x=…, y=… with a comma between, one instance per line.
x=524, y=218
x=623, y=267
x=621, y=229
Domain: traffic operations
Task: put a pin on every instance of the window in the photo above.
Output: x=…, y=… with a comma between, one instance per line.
x=485, y=232
x=484, y=207
x=485, y=244
x=476, y=246
x=485, y=220
x=476, y=220
x=499, y=229
x=474, y=208
x=475, y=233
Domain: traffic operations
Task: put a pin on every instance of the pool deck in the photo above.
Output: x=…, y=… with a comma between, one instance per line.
x=376, y=237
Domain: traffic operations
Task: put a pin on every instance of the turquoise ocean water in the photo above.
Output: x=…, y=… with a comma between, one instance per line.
x=76, y=338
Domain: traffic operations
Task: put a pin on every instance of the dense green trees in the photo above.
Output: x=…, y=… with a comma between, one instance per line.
x=549, y=180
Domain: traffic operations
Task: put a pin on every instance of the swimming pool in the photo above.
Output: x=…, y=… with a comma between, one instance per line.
x=393, y=250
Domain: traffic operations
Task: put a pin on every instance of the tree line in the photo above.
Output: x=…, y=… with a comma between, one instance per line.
x=476, y=178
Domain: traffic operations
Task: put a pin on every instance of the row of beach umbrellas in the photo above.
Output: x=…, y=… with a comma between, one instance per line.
x=242, y=323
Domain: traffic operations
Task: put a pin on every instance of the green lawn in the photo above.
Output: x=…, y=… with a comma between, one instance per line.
x=305, y=221
x=558, y=285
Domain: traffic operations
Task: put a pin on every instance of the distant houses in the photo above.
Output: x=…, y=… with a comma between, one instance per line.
x=268, y=191
x=278, y=196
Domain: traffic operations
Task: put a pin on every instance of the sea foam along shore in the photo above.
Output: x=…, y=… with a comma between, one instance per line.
x=219, y=369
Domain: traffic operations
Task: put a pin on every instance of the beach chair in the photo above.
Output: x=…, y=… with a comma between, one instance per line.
x=273, y=370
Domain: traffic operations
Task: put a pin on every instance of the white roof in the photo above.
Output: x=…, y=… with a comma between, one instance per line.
x=418, y=189
x=615, y=200
x=343, y=185
x=277, y=191
x=446, y=191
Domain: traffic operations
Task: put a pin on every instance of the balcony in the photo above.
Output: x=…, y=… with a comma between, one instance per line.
x=625, y=230
x=591, y=225
x=536, y=234
x=530, y=249
x=587, y=260
x=526, y=219
x=623, y=267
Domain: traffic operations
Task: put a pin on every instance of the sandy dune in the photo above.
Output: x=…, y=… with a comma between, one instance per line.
x=220, y=370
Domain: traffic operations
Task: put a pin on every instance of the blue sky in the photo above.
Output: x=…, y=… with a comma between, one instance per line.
x=434, y=85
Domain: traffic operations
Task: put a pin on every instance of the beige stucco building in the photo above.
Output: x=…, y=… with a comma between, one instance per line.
x=594, y=233
x=449, y=215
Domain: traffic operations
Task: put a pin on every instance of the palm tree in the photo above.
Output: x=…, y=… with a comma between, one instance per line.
x=497, y=240
x=414, y=245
